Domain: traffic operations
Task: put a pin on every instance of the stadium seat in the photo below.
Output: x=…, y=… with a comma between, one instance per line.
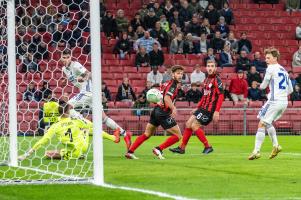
x=297, y=104
x=183, y=62
x=255, y=104
x=228, y=104
x=121, y=104
x=182, y=104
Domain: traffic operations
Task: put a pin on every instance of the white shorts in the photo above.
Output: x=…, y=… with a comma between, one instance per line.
x=271, y=111
x=81, y=100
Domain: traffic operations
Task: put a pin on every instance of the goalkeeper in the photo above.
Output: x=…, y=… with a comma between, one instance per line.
x=72, y=133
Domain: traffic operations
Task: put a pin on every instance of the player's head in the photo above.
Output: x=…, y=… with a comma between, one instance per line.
x=177, y=73
x=272, y=55
x=66, y=57
x=64, y=108
x=211, y=67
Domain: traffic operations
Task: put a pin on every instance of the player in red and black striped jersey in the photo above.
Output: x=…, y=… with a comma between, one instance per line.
x=163, y=115
x=207, y=110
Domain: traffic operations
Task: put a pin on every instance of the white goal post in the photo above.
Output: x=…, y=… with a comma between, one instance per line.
x=37, y=169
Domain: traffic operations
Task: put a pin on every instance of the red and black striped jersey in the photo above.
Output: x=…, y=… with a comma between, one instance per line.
x=213, y=94
x=169, y=88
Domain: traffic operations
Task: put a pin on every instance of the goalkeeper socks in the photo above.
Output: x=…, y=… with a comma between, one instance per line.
x=137, y=143
x=272, y=133
x=260, y=135
x=201, y=135
x=107, y=136
x=186, y=136
x=169, y=141
x=113, y=125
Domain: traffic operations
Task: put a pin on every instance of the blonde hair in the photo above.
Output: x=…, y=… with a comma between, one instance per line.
x=273, y=51
x=211, y=61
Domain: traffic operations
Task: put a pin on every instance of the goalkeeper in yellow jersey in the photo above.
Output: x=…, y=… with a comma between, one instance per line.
x=72, y=133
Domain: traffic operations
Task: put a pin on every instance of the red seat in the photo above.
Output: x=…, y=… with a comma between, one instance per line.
x=255, y=104
x=183, y=62
x=116, y=69
x=109, y=56
x=297, y=104
x=228, y=104
x=179, y=56
x=182, y=104
x=121, y=104
x=112, y=62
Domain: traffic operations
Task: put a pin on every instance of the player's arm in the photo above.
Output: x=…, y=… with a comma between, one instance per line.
x=266, y=79
x=43, y=141
x=220, y=91
x=168, y=100
x=85, y=74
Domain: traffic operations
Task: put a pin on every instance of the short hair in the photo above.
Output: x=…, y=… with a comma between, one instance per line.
x=67, y=52
x=63, y=107
x=211, y=61
x=176, y=68
x=194, y=85
x=242, y=33
x=273, y=51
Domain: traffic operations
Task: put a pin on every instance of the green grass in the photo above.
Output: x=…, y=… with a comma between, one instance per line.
x=226, y=173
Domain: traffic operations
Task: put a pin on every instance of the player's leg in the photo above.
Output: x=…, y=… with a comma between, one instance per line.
x=149, y=131
x=197, y=128
x=186, y=136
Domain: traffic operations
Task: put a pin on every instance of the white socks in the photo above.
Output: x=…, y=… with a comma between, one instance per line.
x=113, y=125
x=272, y=133
x=260, y=135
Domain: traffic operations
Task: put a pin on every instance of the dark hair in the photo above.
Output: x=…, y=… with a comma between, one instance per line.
x=290, y=71
x=63, y=107
x=67, y=52
x=177, y=67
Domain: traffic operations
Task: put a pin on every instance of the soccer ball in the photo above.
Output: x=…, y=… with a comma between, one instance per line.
x=154, y=95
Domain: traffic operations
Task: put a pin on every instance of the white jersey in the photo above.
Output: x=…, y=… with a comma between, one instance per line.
x=279, y=83
x=74, y=71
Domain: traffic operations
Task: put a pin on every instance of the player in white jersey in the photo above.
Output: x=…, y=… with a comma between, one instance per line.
x=80, y=77
x=280, y=87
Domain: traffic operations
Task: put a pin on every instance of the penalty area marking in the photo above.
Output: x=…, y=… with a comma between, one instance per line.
x=156, y=193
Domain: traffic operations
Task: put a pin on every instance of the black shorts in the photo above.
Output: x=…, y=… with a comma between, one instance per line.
x=204, y=117
x=160, y=117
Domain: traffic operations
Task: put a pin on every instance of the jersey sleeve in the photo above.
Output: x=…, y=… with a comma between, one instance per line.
x=267, y=78
x=171, y=90
x=46, y=138
x=220, y=92
x=79, y=67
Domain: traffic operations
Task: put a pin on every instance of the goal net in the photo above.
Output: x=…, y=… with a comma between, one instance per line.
x=31, y=76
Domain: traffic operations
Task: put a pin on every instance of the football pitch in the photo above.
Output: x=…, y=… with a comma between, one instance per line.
x=224, y=174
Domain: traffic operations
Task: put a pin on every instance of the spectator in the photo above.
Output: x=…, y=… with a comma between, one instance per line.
x=189, y=46
x=203, y=4
x=42, y=52
x=206, y=28
x=222, y=27
x=233, y=42
x=239, y=87
x=292, y=78
x=158, y=10
x=143, y=11
x=173, y=33
x=150, y=20
x=212, y=15
x=141, y=106
x=148, y=86
x=196, y=8
x=197, y=76
x=258, y=63
x=217, y=43
x=3, y=63
x=298, y=79
x=132, y=36
x=297, y=58
x=121, y=21
x=194, y=27
x=61, y=36
x=168, y=9
x=186, y=11
x=253, y=75
x=167, y=75
x=210, y=56
x=244, y=44
x=123, y=46
x=177, y=44
x=156, y=56
x=125, y=91
x=254, y=94
x=147, y=42
x=137, y=21
x=142, y=58
x=194, y=94
x=298, y=31
x=155, y=77
x=164, y=23
x=185, y=79
x=29, y=64
x=140, y=32
x=203, y=45
x=31, y=93
x=181, y=94
x=46, y=91
x=159, y=34
x=243, y=62
x=292, y=5
x=109, y=25
x=296, y=95
x=227, y=13
x=226, y=57
x=177, y=19
x=106, y=92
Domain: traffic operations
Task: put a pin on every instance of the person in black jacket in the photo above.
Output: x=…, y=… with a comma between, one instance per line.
x=125, y=91
x=194, y=94
x=296, y=95
x=142, y=58
x=217, y=43
x=253, y=75
x=244, y=43
x=106, y=91
x=194, y=27
x=150, y=20
x=212, y=15
x=243, y=62
x=159, y=34
x=109, y=25
x=123, y=46
x=137, y=21
x=177, y=19
x=156, y=56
